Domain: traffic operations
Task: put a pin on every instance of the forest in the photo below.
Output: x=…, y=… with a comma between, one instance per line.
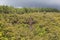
x=12, y=10
x=29, y=23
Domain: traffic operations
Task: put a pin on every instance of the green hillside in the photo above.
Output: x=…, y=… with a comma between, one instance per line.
x=22, y=24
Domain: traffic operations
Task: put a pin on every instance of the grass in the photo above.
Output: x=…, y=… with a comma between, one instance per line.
x=30, y=26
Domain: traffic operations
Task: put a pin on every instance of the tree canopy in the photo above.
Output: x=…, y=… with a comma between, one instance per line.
x=9, y=9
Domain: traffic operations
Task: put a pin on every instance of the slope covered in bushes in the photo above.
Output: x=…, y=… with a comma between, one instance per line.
x=31, y=26
x=29, y=23
x=11, y=10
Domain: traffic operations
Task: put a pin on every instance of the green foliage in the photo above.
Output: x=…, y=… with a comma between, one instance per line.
x=29, y=23
x=35, y=26
x=11, y=10
x=7, y=9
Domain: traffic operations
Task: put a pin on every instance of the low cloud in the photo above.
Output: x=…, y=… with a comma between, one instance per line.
x=32, y=3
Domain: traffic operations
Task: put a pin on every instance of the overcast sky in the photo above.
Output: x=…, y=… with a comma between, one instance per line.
x=32, y=3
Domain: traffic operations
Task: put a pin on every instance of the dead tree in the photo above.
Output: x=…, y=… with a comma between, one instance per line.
x=31, y=22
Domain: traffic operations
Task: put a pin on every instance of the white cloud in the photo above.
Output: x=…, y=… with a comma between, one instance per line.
x=3, y=2
x=54, y=2
x=27, y=3
x=15, y=1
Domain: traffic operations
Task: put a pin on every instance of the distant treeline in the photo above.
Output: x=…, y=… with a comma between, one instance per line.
x=9, y=9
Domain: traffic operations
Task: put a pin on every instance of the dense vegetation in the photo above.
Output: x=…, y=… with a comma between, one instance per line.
x=22, y=24
x=8, y=9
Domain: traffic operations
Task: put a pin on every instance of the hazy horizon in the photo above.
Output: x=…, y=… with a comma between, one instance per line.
x=32, y=3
